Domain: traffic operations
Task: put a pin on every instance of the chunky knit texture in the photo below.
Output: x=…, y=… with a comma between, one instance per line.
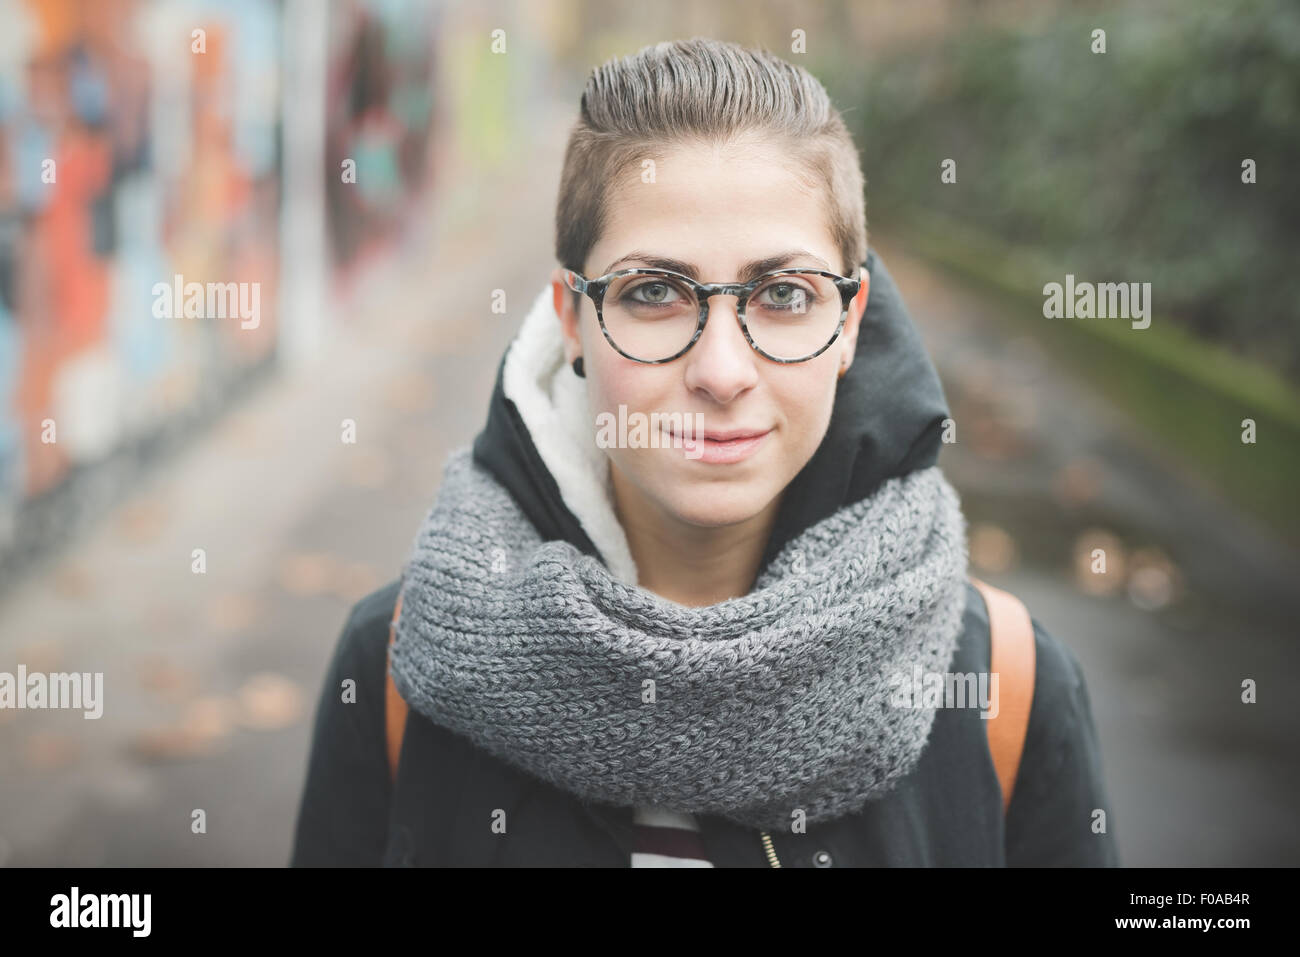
x=751, y=709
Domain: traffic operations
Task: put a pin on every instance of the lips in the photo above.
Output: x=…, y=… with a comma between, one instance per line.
x=730, y=435
x=721, y=435
x=722, y=446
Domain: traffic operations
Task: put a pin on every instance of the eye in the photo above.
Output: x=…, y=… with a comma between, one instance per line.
x=784, y=295
x=653, y=293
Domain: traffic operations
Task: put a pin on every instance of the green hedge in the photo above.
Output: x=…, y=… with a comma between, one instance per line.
x=1189, y=395
x=1122, y=166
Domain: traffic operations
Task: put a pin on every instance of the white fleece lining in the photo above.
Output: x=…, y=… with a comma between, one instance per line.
x=553, y=404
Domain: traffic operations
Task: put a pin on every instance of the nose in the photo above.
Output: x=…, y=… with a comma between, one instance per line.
x=721, y=362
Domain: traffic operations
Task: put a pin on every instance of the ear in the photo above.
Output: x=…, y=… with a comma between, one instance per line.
x=562, y=297
x=853, y=321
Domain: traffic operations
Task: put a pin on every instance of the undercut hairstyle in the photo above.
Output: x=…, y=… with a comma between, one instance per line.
x=704, y=91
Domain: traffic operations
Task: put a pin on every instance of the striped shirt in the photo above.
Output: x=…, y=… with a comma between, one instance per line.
x=667, y=838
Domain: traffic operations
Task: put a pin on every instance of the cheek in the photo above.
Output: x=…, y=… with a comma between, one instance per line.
x=638, y=390
x=807, y=408
x=615, y=384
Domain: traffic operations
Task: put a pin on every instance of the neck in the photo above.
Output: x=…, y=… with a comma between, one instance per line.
x=689, y=564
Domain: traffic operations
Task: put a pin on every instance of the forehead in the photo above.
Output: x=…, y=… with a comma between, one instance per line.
x=715, y=205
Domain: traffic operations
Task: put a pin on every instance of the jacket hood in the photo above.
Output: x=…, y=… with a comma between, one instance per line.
x=539, y=441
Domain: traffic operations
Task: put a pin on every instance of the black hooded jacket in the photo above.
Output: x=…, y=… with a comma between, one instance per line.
x=887, y=420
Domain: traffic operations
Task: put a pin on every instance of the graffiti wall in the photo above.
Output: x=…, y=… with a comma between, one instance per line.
x=146, y=272
x=138, y=147
x=379, y=114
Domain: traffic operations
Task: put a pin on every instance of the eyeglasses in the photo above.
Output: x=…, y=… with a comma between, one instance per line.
x=655, y=316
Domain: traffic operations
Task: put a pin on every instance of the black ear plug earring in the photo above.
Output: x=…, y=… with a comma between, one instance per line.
x=577, y=368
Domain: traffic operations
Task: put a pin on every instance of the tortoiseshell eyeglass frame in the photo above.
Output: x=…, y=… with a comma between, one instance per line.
x=595, y=290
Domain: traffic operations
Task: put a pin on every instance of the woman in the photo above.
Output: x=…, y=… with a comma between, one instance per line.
x=678, y=603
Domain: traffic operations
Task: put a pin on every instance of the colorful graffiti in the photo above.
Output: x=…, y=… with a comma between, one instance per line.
x=138, y=141
x=379, y=114
x=141, y=176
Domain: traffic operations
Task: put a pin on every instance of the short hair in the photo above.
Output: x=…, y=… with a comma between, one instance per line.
x=698, y=91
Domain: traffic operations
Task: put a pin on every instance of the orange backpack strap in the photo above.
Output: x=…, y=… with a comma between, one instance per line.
x=1011, y=639
x=394, y=707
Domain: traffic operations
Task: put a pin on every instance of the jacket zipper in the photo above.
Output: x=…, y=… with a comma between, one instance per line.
x=769, y=849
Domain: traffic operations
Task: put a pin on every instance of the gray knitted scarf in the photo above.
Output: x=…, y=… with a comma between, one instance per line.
x=751, y=709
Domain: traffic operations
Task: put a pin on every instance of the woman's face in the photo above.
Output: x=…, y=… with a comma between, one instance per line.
x=716, y=209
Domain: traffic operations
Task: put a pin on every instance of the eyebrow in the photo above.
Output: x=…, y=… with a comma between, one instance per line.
x=749, y=271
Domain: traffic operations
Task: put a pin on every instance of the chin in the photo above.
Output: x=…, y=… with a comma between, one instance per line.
x=712, y=504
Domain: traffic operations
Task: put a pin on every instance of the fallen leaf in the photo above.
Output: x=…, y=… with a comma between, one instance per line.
x=1100, y=561
x=1154, y=582
x=204, y=725
x=160, y=675
x=368, y=468
x=307, y=573
x=48, y=750
x=142, y=522
x=992, y=549
x=73, y=581
x=268, y=701
x=1077, y=483
x=233, y=612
